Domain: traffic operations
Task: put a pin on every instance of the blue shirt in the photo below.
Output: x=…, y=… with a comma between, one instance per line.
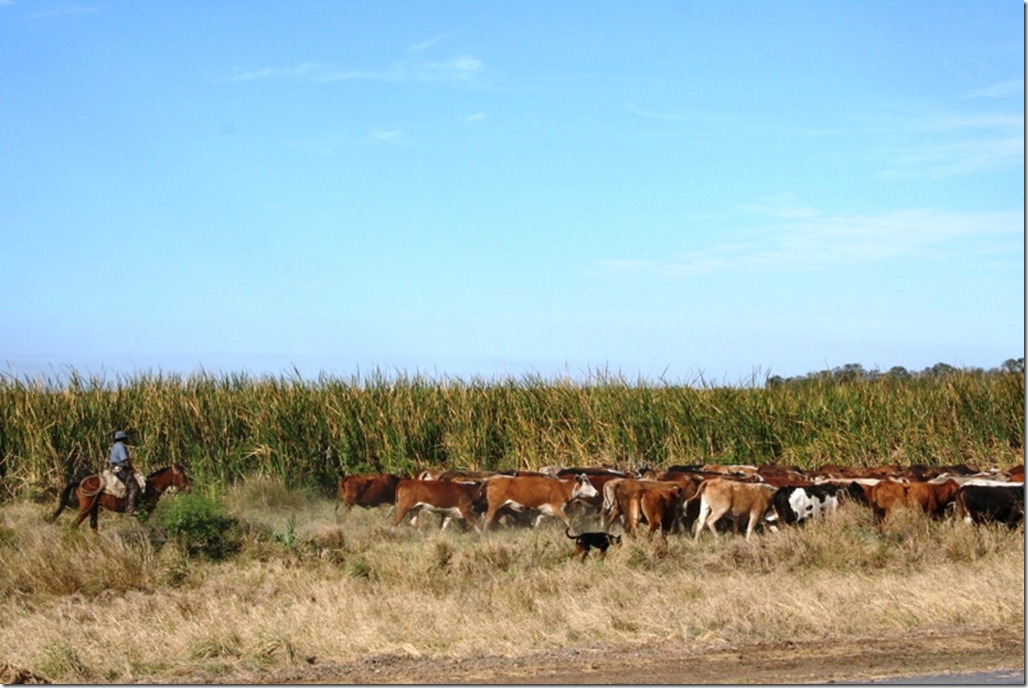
x=119, y=454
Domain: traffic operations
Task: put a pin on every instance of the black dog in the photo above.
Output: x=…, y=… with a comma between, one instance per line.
x=586, y=541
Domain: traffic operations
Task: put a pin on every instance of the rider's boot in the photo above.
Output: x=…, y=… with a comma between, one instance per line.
x=132, y=498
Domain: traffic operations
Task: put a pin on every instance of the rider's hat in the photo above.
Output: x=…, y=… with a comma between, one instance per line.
x=120, y=435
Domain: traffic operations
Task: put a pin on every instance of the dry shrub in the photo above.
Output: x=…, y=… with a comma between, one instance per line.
x=61, y=560
x=357, y=586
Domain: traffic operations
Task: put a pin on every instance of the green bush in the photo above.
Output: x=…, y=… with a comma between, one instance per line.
x=200, y=525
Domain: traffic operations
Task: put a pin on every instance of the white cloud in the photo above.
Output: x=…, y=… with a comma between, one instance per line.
x=807, y=240
x=432, y=42
x=957, y=158
x=649, y=114
x=386, y=135
x=954, y=144
x=462, y=69
x=998, y=90
x=66, y=11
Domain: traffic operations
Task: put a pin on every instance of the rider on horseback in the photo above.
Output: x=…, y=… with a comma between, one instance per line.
x=122, y=466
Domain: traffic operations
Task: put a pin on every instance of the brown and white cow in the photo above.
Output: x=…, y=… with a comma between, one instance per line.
x=367, y=490
x=719, y=497
x=622, y=498
x=449, y=498
x=549, y=496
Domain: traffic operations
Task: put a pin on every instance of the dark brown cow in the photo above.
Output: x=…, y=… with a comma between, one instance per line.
x=549, y=496
x=451, y=499
x=783, y=476
x=922, y=473
x=367, y=490
x=587, y=470
x=857, y=472
x=991, y=504
x=468, y=476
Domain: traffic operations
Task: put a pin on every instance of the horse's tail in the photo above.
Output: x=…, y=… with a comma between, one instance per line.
x=64, y=501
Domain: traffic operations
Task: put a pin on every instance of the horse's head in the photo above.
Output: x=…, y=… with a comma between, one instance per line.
x=179, y=479
x=172, y=476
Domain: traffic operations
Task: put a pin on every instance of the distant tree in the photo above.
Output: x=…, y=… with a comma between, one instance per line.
x=899, y=373
x=1013, y=365
x=851, y=372
x=940, y=370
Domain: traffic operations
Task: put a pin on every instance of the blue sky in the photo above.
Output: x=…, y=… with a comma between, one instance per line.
x=676, y=190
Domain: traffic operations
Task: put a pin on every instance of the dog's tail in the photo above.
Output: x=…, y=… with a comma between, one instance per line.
x=567, y=531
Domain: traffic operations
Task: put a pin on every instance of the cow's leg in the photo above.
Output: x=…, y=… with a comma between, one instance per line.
x=631, y=517
x=609, y=515
x=752, y=525
x=701, y=519
x=469, y=515
x=716, y=513
x=558, y=512
x=401, y=511
x=490, y=518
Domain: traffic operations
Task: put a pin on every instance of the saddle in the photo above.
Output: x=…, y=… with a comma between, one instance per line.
x=113, y=486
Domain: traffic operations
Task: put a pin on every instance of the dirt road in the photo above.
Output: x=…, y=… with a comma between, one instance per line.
x=940, y=651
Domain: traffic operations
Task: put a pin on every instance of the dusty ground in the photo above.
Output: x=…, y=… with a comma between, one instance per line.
x=941, y=651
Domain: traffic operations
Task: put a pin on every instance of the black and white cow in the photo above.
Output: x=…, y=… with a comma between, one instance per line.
x=795, y=504
x=991, y=504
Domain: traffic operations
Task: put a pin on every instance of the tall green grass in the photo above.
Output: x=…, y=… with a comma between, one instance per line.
x=226, y=427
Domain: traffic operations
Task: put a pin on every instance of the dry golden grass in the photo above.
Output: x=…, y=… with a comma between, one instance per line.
x=122, y=607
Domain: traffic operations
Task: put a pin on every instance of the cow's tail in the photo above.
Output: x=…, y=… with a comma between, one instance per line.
x=698, y=525
x=696, y=495
x=607, y=508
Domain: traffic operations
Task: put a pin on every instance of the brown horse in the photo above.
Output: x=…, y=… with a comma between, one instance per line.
x=90, y=495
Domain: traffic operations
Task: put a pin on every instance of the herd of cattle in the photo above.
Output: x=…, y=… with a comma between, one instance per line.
x=690, y=498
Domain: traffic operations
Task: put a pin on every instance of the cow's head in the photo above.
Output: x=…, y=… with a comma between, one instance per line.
x=583, y=488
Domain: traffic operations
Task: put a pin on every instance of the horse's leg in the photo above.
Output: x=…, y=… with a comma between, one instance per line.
x=83, y=506
x=88, y=506
x=94, y=510
x=83, y=512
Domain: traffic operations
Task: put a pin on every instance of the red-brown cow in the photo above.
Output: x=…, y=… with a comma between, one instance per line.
x=661, y=507
x=367, y=490
x=451, y=499
x=548, y=496
x=930, y=498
